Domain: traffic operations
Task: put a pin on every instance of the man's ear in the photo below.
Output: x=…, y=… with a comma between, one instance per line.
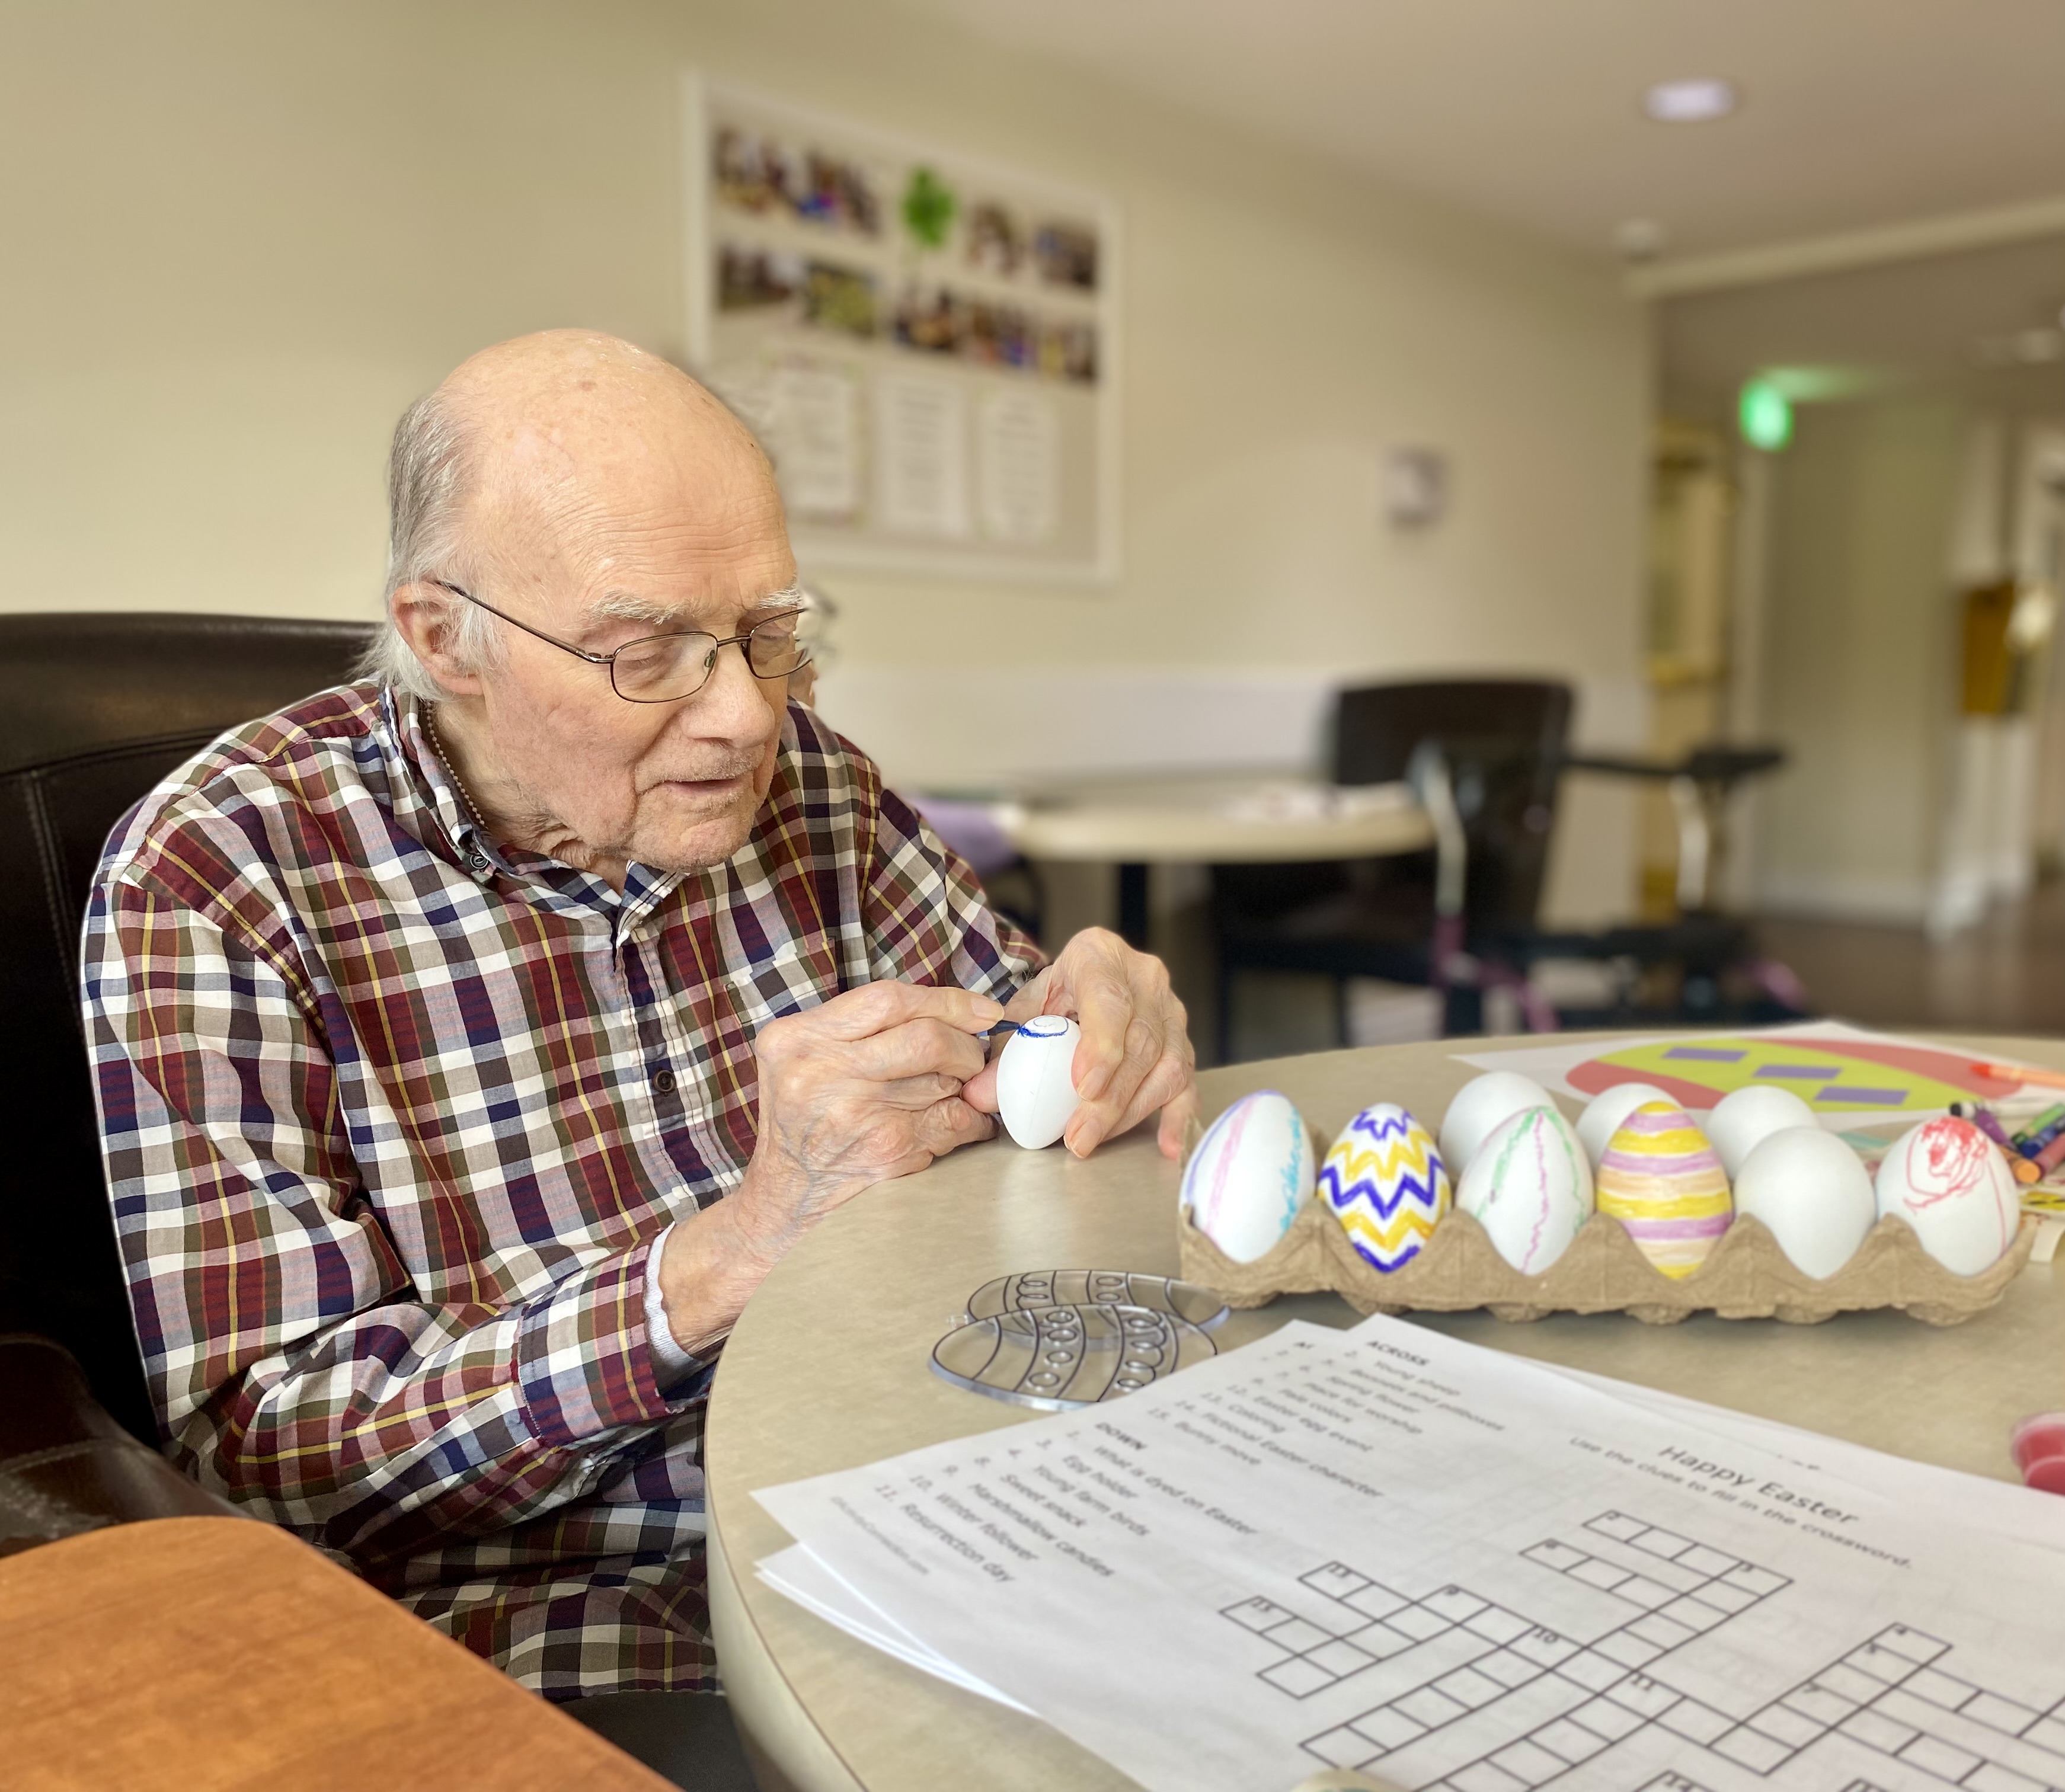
x=427, y=618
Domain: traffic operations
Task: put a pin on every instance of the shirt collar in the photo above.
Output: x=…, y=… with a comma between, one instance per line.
x=435, y=785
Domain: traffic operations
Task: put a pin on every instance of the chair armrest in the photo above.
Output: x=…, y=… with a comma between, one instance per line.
x=65, y=1466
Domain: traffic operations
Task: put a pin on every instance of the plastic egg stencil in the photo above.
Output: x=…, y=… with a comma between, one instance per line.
x=1386, y=1184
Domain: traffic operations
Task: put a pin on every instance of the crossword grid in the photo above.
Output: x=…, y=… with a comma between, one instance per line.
x=1886, y=1693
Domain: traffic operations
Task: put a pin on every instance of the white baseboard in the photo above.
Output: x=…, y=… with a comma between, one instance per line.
x=1887, y=900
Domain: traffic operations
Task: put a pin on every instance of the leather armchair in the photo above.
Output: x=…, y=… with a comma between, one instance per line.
x=94, y=711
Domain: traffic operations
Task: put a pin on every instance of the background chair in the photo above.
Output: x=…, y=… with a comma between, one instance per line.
x=1485, y=757
x=1500, y=740
x=94, y=710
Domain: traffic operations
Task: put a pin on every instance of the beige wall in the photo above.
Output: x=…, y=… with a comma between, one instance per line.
x=242, y=236
x=1860, y=676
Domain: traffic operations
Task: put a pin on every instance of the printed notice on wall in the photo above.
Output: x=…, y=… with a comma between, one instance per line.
x=928, y=344
x=921, y=456
x=1018, y=466
x=813, y=431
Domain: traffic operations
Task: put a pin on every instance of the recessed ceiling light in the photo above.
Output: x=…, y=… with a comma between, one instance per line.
x=1689, y=101
x=1638, y=240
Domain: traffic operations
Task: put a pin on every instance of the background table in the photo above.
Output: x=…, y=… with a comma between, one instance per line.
x=205, y=1654
x=1208, y=821
x=828, y=1369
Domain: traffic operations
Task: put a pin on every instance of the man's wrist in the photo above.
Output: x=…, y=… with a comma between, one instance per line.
x=712, y=1262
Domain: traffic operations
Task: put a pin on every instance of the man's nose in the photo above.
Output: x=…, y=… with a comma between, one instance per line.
x=732, y=705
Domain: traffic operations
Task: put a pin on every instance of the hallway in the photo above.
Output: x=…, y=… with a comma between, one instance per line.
x=2005, y=975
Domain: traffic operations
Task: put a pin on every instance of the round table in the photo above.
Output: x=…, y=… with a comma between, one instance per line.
x=829, y=1369
x=1211, y=821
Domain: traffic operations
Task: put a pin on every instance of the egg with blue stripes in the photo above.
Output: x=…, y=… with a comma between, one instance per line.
x=1384, y=1180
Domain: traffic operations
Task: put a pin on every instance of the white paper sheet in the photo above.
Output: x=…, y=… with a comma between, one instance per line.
x=1021, y=471
x=921, y=451
x=1453, y=1568
x=813, y=429
x=797, y=1574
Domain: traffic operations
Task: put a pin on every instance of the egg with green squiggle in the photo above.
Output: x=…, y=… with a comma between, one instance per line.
x=1530, y=1186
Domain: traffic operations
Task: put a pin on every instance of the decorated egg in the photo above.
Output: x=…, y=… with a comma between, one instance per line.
x=1661, y=1179
x=1386, y=1184
x=1529, y=1186
x=1250, y=1173
x=1814, y=1192
x=1742, y=1121
x=1949, y=1181
x=1479, y=1106
x=1036, y=1092
x=1608, y=1112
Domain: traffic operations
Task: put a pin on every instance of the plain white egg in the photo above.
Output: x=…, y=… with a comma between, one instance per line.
x=1530, y=1187
x=1034, y=1094
x=1742, y=1121
x=1949, y=1181
x=1607, y=1113
x=1250, y=1173
x=1479, y=1107
x=1814, y=1192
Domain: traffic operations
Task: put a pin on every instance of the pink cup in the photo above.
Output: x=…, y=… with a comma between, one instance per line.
x=2038, y=1446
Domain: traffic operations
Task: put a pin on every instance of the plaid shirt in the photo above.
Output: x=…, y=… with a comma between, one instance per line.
x=393, y=1118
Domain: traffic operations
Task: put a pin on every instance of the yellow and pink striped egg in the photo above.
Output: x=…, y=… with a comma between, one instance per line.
x=1661, y=1179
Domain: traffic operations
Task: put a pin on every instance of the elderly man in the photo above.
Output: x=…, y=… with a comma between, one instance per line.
x=472, y=1040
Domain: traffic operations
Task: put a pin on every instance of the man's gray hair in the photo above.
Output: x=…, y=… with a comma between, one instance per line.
x=428, y=474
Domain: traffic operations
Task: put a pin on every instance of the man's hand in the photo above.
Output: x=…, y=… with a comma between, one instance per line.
x=864, y=1088
x=1134, y=1058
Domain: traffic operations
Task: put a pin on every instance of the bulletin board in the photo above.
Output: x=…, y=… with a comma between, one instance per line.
x=926, y=345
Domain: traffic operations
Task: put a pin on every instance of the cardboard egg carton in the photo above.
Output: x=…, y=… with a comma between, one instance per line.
x=1747, y=1276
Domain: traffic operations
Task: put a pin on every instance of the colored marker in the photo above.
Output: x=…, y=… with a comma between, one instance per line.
x=2019, y=1073
x=2048, y=1159
x=1982, y=1118
x=2030, y=1142
x=2038, y=1133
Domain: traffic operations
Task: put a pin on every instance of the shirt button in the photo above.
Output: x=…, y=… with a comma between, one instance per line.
x=663, y=1081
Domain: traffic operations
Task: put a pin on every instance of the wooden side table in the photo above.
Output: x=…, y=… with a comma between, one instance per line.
x=204, y=1654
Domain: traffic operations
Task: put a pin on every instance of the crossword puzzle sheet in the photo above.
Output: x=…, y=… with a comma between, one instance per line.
x=1453, y=1571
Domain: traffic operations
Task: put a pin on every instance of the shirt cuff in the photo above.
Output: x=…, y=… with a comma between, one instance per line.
x=583, y=1365
x=668, y=1357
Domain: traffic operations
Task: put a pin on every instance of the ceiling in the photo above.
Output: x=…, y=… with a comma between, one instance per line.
x=1986, y=320
x=1855, y=113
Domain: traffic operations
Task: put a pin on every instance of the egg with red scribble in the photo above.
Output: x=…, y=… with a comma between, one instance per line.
x=1949, y=1182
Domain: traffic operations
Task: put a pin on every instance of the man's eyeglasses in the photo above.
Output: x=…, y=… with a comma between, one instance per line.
x=666, y=668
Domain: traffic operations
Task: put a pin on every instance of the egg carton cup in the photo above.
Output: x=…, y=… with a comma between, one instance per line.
x=1746, y=1277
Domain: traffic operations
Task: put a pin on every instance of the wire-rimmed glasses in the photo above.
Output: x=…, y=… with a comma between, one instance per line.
x=668, y=668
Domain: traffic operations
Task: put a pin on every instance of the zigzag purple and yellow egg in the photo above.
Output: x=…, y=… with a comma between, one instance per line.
x=1661, y=1179
x=1385, y=1182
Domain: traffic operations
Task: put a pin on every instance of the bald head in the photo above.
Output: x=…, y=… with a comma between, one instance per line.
x=529, y=448
x=559, y=498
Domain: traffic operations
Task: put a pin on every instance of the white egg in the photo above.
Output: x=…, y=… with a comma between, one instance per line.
x=1529, y=1186
x=1035, y=1095
x=1742, y=1121
x=1250, y=1173
x=1949, y=1181
x=1607, y=1113
x=1479, y=1106
x=1814, y=1192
